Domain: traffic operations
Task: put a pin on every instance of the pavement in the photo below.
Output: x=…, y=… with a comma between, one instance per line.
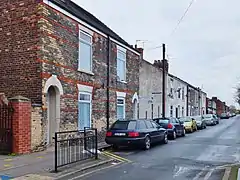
x=203, y=155
x=40, y=165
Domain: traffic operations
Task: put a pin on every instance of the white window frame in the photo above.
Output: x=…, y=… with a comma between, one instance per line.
x=85, y=101
x=124, y=51
x=183, y=93
x=79, y=53
x=179, y=94
x=122, y=98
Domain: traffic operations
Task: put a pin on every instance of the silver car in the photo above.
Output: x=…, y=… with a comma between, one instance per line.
x=201, y=123
x=210, y=119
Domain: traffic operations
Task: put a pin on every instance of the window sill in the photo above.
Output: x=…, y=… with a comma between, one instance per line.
x=123, y=82
x=87, y=72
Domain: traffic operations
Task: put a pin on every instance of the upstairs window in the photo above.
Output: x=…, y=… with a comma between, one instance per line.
x=183, y=94
x=179, y=93
x=85, y=52
x=121, y=64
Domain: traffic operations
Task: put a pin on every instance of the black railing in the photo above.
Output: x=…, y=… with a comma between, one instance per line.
x=6, y=123
x=74, y=146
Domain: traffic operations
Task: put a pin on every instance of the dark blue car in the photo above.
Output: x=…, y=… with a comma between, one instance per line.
x=138, y=133
x=173, y=125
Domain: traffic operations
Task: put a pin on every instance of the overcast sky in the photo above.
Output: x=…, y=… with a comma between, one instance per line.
x=205, y=48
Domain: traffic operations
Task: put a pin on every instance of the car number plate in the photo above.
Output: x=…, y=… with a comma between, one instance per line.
x=120, y=134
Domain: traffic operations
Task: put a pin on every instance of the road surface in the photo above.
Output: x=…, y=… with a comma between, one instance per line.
x=200, y=155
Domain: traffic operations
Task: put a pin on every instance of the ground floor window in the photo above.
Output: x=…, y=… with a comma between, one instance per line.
x=120, y=108
x=182, y=111
x=171, y=111
x=84, y=110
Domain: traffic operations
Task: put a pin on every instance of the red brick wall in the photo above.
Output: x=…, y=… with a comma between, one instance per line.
x=21, y=127
x=19, y=70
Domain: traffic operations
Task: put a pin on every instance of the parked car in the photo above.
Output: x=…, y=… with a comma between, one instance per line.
x=210, y=119
x=201, y=123
x=173, y=125
x=216, y=118
x=224, y=116
x=189, y=123
x=139, y=133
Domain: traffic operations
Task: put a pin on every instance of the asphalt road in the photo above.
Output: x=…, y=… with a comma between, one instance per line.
x=196, y=156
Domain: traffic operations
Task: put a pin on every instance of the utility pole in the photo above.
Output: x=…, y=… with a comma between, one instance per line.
x=163, y=81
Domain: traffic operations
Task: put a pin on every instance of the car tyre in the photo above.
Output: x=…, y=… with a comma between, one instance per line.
x=165, y=140
x=147, y=143
x=184, y=132
x=174, y=136
x=191, y=130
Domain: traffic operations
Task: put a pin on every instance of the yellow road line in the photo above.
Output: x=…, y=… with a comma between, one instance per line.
x=39, y=157
x=7, y=160
x=116, y=156
x=7, y=165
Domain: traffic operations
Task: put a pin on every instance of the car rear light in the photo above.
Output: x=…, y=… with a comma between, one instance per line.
x=169, y=126
x=133, y=134
x=109, y=134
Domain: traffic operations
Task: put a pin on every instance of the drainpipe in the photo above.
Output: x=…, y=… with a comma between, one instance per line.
x=108, y=79
x=187, y=101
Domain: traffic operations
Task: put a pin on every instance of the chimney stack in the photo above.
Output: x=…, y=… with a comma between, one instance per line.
x=140, y=50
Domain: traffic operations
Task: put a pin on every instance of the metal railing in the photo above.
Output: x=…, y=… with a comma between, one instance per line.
x=74, y=146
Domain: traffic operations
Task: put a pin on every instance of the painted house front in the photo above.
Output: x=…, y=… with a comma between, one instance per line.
x=193, y=101
x=150, y=90
x=176, y=105
x=75, y=70
x=203, y=98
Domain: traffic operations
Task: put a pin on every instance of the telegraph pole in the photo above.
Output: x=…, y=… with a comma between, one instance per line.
x=163, y=81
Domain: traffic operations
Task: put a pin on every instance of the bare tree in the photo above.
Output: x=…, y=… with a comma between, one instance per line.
x=238, y=95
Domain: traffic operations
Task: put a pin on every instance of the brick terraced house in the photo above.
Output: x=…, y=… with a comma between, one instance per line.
x=75, y=70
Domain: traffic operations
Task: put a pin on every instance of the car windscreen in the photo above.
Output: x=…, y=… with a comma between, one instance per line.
x=207, y=116
x=164, y=121
x=185, y=119
x=197, y=118
x=124, y=125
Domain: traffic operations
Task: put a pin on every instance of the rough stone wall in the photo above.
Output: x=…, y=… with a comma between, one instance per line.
x=37, y=135
x=59, y=56
x=19, y=40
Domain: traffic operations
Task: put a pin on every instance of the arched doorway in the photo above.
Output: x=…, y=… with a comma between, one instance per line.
x=135, y=109
x=53, y=89
x=53, y=103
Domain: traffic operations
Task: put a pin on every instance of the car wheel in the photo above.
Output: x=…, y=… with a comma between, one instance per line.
x=174, y=136
x=165, y=141
x=147, y=144
x=191, y=130
x=184, y=132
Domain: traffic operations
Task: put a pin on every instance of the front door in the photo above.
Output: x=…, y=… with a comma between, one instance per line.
x=176, y=112
x=52, y=120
